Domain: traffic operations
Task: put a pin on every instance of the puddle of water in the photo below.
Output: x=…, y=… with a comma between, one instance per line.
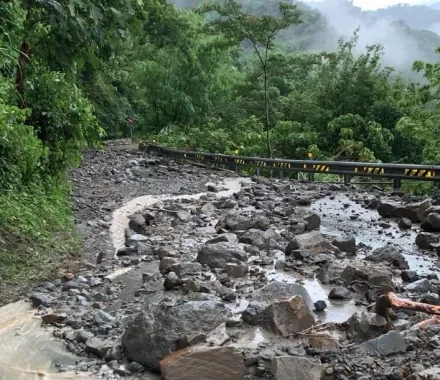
x=336, y=220
x=336, y=312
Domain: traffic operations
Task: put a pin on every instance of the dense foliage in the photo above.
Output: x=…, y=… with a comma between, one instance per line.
x=238, y=77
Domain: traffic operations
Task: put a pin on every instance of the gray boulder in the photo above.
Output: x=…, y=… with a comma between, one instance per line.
x=296, y=368
x=385, y=345
x=345, y=244
x=413, y=211
x=219, y=254
x=313, y=242
x=431, y=223
x=156, y=332
x=236, y=222
x=427, y=240
x=390, y=255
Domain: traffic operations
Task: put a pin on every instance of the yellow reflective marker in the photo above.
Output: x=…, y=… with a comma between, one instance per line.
x=421, y=173
x=413, y=172
x=355, y=170
x=309, y=155
x=305, y=166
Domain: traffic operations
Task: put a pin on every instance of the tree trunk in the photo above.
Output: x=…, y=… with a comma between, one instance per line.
x=266, y=110
x=23, y=60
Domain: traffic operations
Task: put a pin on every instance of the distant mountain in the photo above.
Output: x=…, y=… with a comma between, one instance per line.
x=406, y=32
x=415, y=16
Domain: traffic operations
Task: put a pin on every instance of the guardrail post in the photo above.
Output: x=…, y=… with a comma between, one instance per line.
x=259, y=172
x=397, y=183
x=281, y=174
x=311, y=176
x=347, y=179
x=237, y=169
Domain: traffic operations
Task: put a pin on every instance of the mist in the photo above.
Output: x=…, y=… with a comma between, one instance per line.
x=401, y=48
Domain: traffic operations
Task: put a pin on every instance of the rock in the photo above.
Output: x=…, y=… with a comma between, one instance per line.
x=166, y=264
x=192, y=286
x=184, y=216
x=340, y=293
x=207, y=363
x=419, y=286
x=345, y=244
x=98, y=346
x=388, y=254
x=409, y=276
x=320, y=306
x=430, y=210
x=427, y=240
x=431, y=223
x=430, y=299
x=286, y=317
x=263, y=239
x=224, y=238
x=385, y=345
x=347, y=271
x=186, y=269
x=138, y=224
x=208, y=209
x=236, y=221
x=277, y=290
x=103, y=318
x=313, y=221
x=236, y=270
x=405, y=224
x=387, y=209
x=155, y=332
x=135, y=367
x=366, y=325
x=171, y=281
x=324, y=341
x=219, y=254
x=413, y=211
x=41, y=299
x=313, y=241
x=295, y=368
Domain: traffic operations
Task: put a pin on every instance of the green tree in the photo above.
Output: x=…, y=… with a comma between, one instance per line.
x=260, y=31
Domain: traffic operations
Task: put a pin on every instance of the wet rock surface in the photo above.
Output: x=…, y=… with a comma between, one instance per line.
x=274, y=279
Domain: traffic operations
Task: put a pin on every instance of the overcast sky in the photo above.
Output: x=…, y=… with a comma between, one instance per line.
x=375, y=4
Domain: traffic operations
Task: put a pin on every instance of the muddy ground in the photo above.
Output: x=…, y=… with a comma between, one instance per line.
x=191, y=272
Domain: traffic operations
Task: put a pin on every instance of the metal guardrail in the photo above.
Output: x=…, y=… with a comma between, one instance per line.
x=397, y=172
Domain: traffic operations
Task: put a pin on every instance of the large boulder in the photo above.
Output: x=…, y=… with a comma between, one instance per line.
x=387, y=208
x=157, y=331
x=236, y=222
x=427, y=240
x=385, y=345
x=390, y=255
x=217, y=255
x=286, y=317
x=345, y=272
x=346, y=244
x=207, y=363
x=313, y=242
x=277, y=290
x=431, y=223
x=413, y=211
x=364, y=326
x=430, y=210
x=263, y=239
x=296, y=368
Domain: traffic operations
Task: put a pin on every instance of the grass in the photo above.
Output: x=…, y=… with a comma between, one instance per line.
x=36, y=231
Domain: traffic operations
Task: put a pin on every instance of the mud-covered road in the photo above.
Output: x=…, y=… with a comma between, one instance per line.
x=193, y=273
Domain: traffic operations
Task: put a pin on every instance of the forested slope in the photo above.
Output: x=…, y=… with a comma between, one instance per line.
x=221, y=79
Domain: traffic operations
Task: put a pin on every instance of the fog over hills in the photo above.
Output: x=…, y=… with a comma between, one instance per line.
x=407, y=32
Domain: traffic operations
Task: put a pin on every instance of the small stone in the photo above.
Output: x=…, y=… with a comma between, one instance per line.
x=320, y=305
x=41, y=299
